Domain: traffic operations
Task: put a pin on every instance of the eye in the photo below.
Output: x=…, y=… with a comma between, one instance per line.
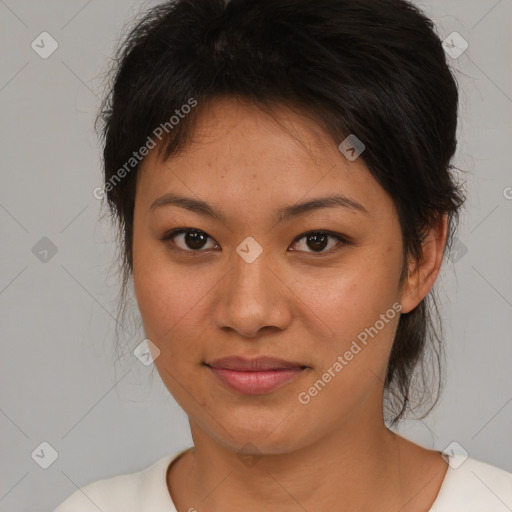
x=319, y=240
x=191, y=240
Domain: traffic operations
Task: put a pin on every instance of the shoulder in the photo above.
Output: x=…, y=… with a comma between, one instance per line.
x=471, y=485
x=119, y=491
x=127, y=492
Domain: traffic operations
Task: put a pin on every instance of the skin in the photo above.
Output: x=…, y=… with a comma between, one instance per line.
x=292, y=303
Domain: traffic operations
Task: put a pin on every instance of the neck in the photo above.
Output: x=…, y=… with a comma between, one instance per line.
x=353, y=468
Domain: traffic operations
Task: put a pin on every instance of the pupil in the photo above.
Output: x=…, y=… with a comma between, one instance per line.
x=319, y=241
x=194, y=239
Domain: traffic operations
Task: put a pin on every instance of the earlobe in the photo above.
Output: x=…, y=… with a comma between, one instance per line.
x=423, y=273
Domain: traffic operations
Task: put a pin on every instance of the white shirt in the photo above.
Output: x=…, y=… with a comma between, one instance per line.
x=472, y=486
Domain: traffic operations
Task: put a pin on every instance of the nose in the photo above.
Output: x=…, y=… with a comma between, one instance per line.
x=252, y=300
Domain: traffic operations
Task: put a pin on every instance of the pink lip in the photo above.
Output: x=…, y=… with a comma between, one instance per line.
x=255, y=376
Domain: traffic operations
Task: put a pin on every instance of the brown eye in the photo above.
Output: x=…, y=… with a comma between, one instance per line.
x=189, y=239
x=317, y=241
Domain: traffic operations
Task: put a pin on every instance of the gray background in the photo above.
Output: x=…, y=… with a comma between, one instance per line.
x=60, y=381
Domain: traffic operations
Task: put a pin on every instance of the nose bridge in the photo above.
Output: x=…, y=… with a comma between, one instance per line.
x=251, y=299
x=250, y=262
x=250, y=275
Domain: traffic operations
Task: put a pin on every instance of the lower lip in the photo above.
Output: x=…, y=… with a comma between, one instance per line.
x=256, y=383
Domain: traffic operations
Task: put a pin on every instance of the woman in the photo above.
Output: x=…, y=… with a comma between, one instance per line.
x=280, y=173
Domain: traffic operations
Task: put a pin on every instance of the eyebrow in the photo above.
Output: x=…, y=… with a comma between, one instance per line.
x=282, y=214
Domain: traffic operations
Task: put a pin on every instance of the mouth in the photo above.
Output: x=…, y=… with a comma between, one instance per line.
x=255, y=376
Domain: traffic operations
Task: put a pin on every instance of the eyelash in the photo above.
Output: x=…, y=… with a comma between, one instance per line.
x=342, y=240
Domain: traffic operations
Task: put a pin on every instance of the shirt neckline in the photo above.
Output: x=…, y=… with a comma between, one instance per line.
x=444, y=484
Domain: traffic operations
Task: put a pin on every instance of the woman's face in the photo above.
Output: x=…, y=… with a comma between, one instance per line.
x=253, y=284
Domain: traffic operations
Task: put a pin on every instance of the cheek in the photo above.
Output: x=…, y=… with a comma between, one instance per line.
x=169, y=298
x=168, y=301
x=352, y=363
x=363, y=327
x=171, y=309
x=359, y=304
x=354, y=295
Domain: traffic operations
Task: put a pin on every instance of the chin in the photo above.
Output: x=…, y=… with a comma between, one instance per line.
x=271, y=436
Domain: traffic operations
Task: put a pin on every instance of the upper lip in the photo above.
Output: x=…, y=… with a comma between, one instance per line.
x=241, y=364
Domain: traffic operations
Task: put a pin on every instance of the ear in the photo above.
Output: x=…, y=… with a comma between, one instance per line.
x=422, y=274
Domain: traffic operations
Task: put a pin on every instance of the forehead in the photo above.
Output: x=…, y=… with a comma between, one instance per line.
x=240, y=152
